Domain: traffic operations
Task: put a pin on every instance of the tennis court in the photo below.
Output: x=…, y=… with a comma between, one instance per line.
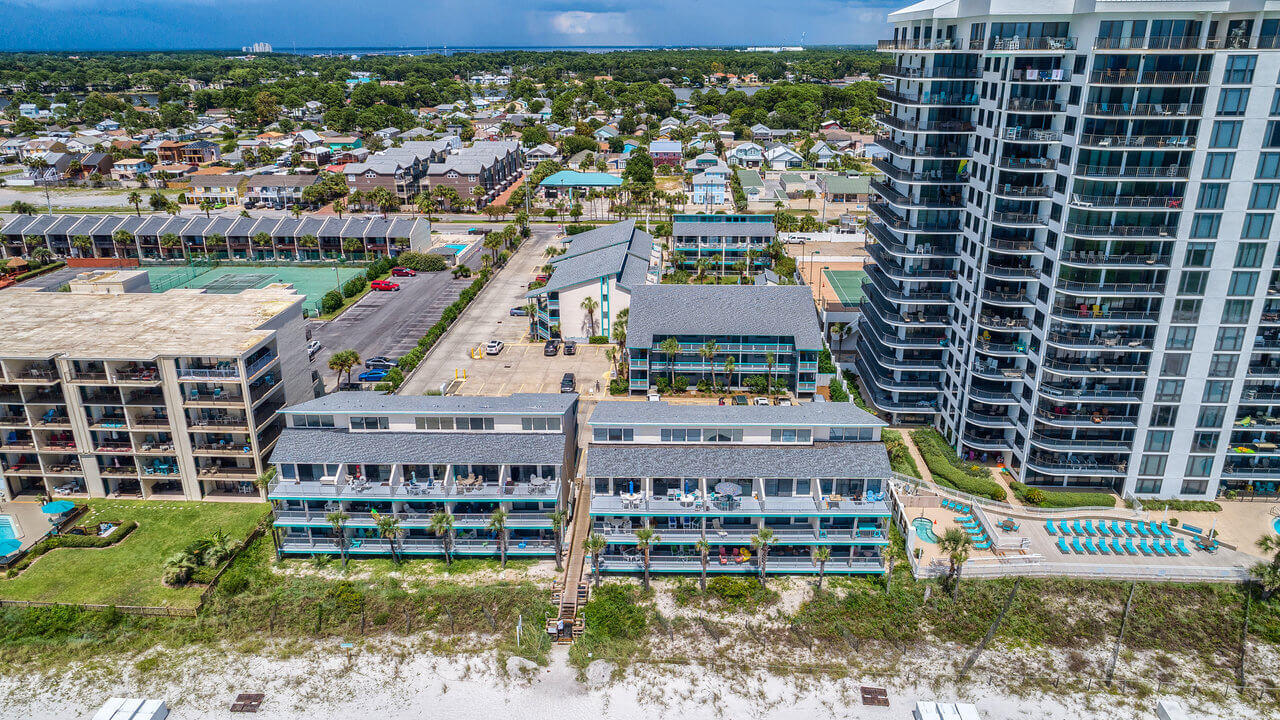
x=847, y=285
x=313, y=282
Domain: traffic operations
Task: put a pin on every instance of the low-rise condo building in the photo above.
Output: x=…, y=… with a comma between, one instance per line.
x=371, y=455
x=754, y=334
x=815, y=474
x=723, y=241
x=170, y=395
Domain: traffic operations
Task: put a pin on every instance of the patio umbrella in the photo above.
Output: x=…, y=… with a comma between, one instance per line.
x=9, y=547
x=728, y=488
x=57, y=507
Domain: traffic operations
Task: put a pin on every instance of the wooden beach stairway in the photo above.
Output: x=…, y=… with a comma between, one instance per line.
x=571, y=591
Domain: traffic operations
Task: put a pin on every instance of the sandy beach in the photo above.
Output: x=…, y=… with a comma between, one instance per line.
x=390, y=680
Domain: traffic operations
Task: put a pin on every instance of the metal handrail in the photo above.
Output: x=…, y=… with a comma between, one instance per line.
x=1159, y=77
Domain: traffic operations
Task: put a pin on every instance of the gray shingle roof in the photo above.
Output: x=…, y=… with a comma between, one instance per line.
x=723, y=310
x=718, y=229
x=825, y=414
x=516, y=404
x=298, y=445
x=617, y=249
x=820, y=460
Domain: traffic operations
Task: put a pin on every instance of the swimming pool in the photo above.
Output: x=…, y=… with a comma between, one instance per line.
x=6, y=528
x=457, y=248
x=1276, y=525
x=924, y=529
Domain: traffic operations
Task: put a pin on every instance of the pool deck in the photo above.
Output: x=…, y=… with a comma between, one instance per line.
x=29, y=523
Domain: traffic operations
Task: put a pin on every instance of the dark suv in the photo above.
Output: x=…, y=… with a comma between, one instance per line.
x=567, y=383
x=551, y=348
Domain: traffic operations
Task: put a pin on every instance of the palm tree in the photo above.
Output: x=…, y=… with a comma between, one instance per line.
x=671, y=347
x=770, y=359
x=82, y=243
x=645, y=538
x=262, y=239
x=122, y=237
x=342, y=361
x=955, y=544
x=837, y=330
x=589, y=305
x=704, y=550
x=339, y=206
x=620, y=327
x=808, y=195
x=338, y=521
x=822, y=555
x=762, y=541
x=701, y=265
x=442, y=526
x=206, y=206
x=169, y=240
x=498, y=524
x=708, y=352
x=389, y=529
x=557, y=518
x=594, y=544
x=728, y=372
x=135, y=199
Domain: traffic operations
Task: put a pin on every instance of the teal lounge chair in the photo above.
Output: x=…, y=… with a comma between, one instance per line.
x=1062, y=546
x=1102, y=546
x=1102, y=529
x=1182, y=548
x=1128, y=546
x=1143, y=548
x=1062, y=527
x=1075, y=545
x=982, y=545
x=1156, y=548
x=1115, y=529
x=1142, y=529
x=1116, y=547
x=1048, y=527
x=1169, y=549
x=1088, y=545
x=1075, y=528
x=1128, y=529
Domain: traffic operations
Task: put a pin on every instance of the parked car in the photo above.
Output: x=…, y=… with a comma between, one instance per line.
x=568, y=383
x=570, y=347
x=551, y=348
x=762, y=401
x=384, y=285
x=542, y=277
x=372, y=375
x=519, y=312
x=379, y=362
x=403, y=272
x=313, y=347
x=493, y=348
x=740, y=400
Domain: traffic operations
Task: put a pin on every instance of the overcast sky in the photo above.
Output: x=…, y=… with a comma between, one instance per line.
x=190, y=24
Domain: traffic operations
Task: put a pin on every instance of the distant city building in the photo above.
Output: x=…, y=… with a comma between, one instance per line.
x=258, y=47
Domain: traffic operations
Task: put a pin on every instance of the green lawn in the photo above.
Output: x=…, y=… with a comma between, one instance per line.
x=129, y=573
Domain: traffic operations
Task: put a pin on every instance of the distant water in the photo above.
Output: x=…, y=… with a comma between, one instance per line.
x=446, y=50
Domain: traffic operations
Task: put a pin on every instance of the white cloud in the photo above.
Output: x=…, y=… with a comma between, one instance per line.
x=581, y=23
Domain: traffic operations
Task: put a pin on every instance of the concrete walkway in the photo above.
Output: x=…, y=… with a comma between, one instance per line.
x=914, y=452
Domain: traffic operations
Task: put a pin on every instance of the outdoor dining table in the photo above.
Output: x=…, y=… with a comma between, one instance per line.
x=630, y=498
x=538, y=483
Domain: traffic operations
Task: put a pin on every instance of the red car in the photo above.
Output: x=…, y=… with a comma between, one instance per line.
x=384, y=285
x=403, y=272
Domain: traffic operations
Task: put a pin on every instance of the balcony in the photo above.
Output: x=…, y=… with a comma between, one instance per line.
x=952, y=201
x=883, y=211
x=986, y=442
x=989, y=420
x=33, y=375
x=216, y=374
x=1037, y=75
x=1027, y=44
x=893, y=246
x=928, y=177
x=955, y=152
x=777, y=564
x=1160, y=202
x=1105, y=340
x=1022, y=191
x=748, y=506
x=1012, y=349
x=88, y=378
x=934, y=73
x=1092, y=289
x=1050, y=442
x=1032, y=105
x=961, y=99
x=408, y=520
x=1018, y=219
x=1133, y=77
x=1173, y=172
x=1001, y=323
x=1094, y=259
x=892, y=316
x=992, y=371
x=1012, y=272
x=1094, y=369
x=1106, y=232
x=1003, y=397
x=1176, y=42
x=1031, y=135
x=1150, y=142
x=1064, y=467
x=930, y=126
x=194, y=398
x=260, y=364
x=1154, y=110
x=788, y=535
x=1016, y=247
x=416, y=546
x=1011, y=298
x=892, y=293
x=1027, y=164
x=919, y=45
x=1095, y=418
x=1085, y=313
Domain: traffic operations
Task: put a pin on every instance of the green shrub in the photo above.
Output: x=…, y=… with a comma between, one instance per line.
x=354, y=286
x=1185, y=505
x=74, y=541
x=422, y=262
x=825, y=365
x=1054, y=499
x=598, y=340
x=331, y=301
x=619, y=386
x=574, y=229
x=899, y=457
x=614, y=612
x=837, y=391
x=739, y=592
x=681, y=384
x=948, y=469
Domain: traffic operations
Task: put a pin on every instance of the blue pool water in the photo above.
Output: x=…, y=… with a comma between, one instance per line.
x=6, y=528
x=924, y=530
x=1276, y=525
x=456, y=248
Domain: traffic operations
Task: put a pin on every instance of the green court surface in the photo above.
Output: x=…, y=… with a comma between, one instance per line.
x=313, y=282
x=847, y=284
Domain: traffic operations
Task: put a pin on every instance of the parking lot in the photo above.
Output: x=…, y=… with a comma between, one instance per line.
x=521, y=366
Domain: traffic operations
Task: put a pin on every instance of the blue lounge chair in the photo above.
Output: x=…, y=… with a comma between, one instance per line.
x=1102, y=529
x=1062, y=527
x=1116, y=546
x=1165, y=531
x=1062, y=546
x=1048, y=527
x=1088, y=545
x=1115, y=529
x=1075, y=528
x=982, y=545
x=1128, y=529
x=1182, y=549
x=1075, y=545
x=1143, y=548
x=1128, y=546
x=1169, y=549
x=1102, y=546
x=1156, y=548
x=1142, y=529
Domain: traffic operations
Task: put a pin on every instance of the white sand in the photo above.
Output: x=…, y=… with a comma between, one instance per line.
x=387, y=680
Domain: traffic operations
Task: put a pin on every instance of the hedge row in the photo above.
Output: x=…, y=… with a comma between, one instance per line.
x=73, y=541
x=1055, y=499
x=837, y=391
x=411, y=359
x=949, y=470
x=422, y=262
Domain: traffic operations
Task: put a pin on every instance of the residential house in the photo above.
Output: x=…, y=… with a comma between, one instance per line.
x=781, y=157
x=815, y=475
x=747, y=323
x=751, y=182
x=855, y=189
x=666, y=152
x=701, y=162
x=278, y=190
x=217, y=189
x=545, y=151
x=747, y=154
x=604, y=133
x=822, y=153
x=709, y=188
x=606, y=265
x=129, y=169
x=412, y=457
x=107, y=124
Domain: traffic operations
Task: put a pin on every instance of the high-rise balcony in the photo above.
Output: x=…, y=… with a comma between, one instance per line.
x=1026, y=44
x=926, y=126
x=918, y=45
x=989, y=419
x=888, y=359
x=1041, y=164
x=1100, y=417
x=1103, y=141
x=1030, y=135
x=1167, y=42
x=1007, y=298
x=919, y=249
x=931, y=99
x=1093, y=393
x=1153, y=110
x=1109, y=232
x=933, y=73
x=1012, y=272
x=888, y=318
x=1004, y=323
x=953, y=151
x=1002, y=397
x=893, y=293
x=1105, y=340
x=1094, y=368
x=883, y=211
x=987, y=441
x=992, y=370
x=1000, y=349
x=1135, y=77
x=1015, y=247
x=1086, y=313
x=1018, y=219
x=935, y=176
x=1155, y=202
x=1172, y=172
x=1040, y=75
x=1061, y=444
x=1018, y=192
x=1089, y=288
x=926, y=201
x=1101, y=260
x=1064, y=466
x=909, y=273
x=1026, y=105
